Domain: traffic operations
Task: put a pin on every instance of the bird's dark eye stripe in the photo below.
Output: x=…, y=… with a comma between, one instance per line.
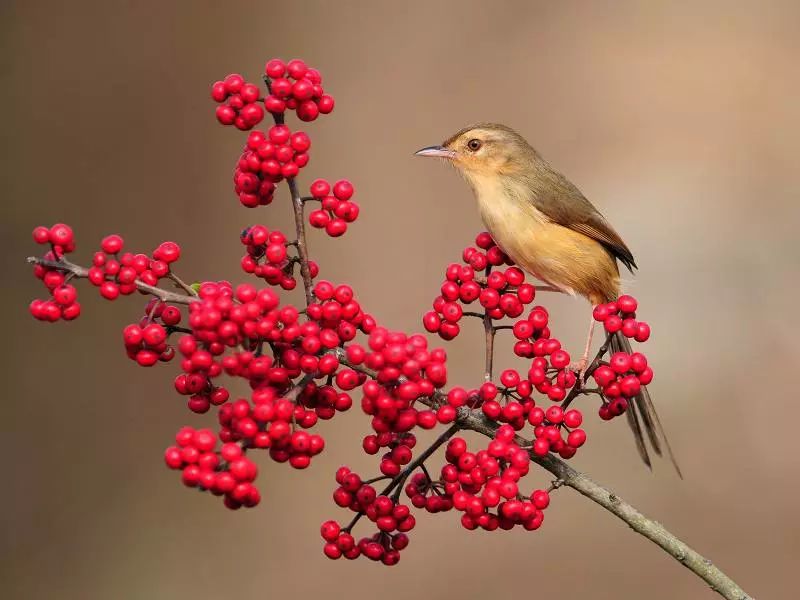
x=474, y=144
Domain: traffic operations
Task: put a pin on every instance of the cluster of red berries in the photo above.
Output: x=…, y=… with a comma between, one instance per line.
x=227, y=472
x=295, y=86
x=63, y=302
x=59, y=237
x=336, y=210
x=406, y=371
x=512, y=403
x=489, y=479
x=116, y=272
x=502, y=293
x=550, y=371
x=271, y=421
x=238, y=102
x=146, y=342
x=267, y=256
x=267, y=159
x=224, y=317
x=621, y=316
x=392, y=519
x=556, y=430
x=625, y=374
x=428, y=495
x=334, y=319
x=621, y=379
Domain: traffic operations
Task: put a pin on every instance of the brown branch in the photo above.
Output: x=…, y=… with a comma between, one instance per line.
x=302, y=247
x=65, y=266
x=652, y=530
x=474, y=420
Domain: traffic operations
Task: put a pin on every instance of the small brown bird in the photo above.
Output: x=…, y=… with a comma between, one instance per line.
x=544, y=223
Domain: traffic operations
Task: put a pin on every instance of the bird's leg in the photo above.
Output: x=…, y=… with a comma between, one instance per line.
x=583, y=363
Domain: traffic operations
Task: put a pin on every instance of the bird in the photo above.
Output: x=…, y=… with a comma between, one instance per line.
x=543, y=222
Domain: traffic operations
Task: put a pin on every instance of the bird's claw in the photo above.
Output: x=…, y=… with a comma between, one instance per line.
x=580, y=370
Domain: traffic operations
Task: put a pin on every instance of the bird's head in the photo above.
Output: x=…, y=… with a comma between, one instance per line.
x=483, y=150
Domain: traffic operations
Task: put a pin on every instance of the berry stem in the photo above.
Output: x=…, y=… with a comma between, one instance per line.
x=489, y=331
x=182, y=284
x=419, y=460
x=65, y=266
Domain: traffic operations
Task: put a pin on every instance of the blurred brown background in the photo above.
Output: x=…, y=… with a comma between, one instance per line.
x=679, y=120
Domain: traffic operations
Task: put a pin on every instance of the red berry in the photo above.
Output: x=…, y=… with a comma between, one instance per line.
x=307, y=110
x=233, y=83
x=300, y=142
x=343, y=189
x=61, y=235
x=168, y=252
x=109, y=290
x=325, y=104
x=249, y=92
x=573, y=418
x=41, y=235
x=620, y=362
x=218, y=91
x=111, y=244
x=320, y=188
x=627, y=304
x=540, y=499
x=275, y=68
x=225, y=115
x=65, y=295
x=296, y=68
x=303, y=89
x=279, y=134
x=576, y=438
x=336, y=227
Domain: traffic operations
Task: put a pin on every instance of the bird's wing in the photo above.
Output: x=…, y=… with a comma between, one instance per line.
x=563, y=203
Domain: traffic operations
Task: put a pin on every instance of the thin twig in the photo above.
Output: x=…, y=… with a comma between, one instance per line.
x=82, y=272
x=489, y=331
x=298, y=388
x=398, y=481
x=182, y=284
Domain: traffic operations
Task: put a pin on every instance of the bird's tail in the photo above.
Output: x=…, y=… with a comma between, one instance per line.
x=642, y=416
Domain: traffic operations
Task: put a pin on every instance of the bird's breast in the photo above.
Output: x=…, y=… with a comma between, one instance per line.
x=521, y=232
x=552, y=253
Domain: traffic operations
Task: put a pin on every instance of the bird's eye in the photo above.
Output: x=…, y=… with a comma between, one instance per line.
x=474, y=144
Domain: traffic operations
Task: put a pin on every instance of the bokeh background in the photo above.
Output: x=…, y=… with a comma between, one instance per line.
x=679, y=120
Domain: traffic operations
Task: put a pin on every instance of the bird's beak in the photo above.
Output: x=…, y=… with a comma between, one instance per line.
x=438, y=151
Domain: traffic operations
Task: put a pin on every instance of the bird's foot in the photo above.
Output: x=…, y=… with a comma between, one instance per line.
x=580, y=370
